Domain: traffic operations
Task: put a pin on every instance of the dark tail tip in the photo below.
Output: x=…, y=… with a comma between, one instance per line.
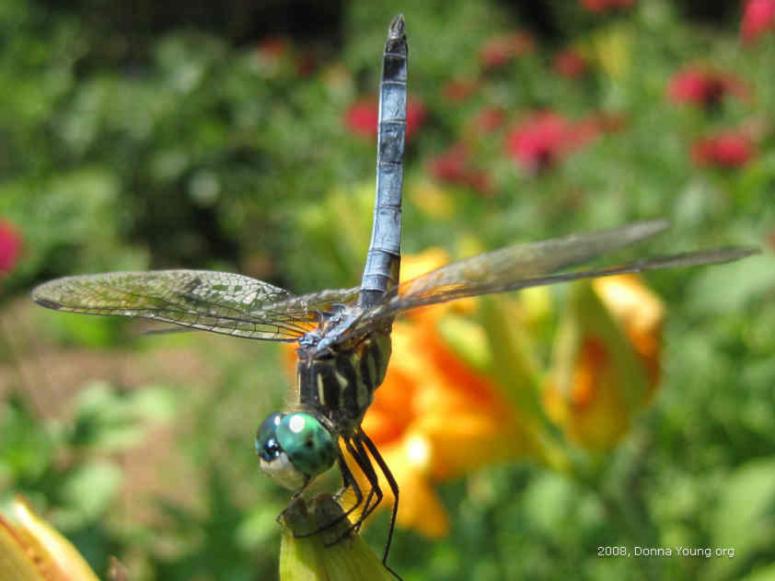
x=397, y=27
x=736, y=253
x=43, y=302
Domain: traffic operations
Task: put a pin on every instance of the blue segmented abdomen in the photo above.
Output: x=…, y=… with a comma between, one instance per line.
x=384, y=258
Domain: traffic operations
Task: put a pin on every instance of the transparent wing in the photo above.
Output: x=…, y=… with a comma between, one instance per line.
x=479, y=274
x=219, y=302
x=318, y=302
x=536, y=264
x=451, y=292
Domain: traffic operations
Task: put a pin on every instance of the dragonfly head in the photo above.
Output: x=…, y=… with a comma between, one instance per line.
x=293, y=448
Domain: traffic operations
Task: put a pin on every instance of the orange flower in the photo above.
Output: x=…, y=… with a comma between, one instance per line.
x=436, y=416
x=460, y=394
x=640, y=312
x=607, y=360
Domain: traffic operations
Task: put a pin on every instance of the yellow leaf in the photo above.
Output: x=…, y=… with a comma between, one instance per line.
x=52, y=556
x=15, y=561
x=318, y=546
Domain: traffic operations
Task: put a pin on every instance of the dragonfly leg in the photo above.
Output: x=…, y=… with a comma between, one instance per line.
x=348, y=481
x=364, y=462
x=361, y=457
x=393, y=488
x=294, y=496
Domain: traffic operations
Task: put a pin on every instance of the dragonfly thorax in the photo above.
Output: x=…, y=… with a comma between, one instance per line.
x=333, y=330
x=338, y=383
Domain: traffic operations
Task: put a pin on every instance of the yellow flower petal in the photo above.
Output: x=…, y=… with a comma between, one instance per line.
x=419, y=507
x=53, y=556
x=606, y=361
x=413, y=265
x=640, y=311
x=432, y=200
x=16, y=562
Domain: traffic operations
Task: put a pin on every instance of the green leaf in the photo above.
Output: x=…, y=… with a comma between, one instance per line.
x=88, y=492
x=154, y=403
x=766, y=573
x=713, y=294
x=512, y=363
x=112, y=421
x=26, y=446
x=745, y=516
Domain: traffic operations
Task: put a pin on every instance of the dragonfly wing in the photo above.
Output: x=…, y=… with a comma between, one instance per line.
x=220, y=302
x=325, y=301
x=535, y=264
x=521, y=261
x=451, y=292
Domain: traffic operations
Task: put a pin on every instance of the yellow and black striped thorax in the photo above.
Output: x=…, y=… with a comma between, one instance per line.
x=340, y=386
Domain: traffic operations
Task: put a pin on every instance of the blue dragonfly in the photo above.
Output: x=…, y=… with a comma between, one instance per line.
x=343, y=335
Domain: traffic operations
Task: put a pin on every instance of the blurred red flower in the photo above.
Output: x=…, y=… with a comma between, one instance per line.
x=10, y=246
x=272, y=47
x=501, y=50
x=542, y=139
x=730, y=149
x=306, y=63
x=488, y=119
x=276, y=54
x=570, y=64
x=703, y=88
x=605, y=5
x=459, y=89
x=758, y=18
x=416, y=113
x=362, y=116
x=454, y=166
x=272, y=54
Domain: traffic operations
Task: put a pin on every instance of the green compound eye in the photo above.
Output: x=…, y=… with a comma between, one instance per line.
x=308, y=444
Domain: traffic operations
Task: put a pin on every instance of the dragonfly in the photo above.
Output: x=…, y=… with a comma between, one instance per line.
x=343, y=335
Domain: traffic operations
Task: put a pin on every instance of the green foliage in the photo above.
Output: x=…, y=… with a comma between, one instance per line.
x=69, y=468
x=201, y=154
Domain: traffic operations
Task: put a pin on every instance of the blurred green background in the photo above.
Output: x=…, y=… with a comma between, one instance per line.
x=138, y=135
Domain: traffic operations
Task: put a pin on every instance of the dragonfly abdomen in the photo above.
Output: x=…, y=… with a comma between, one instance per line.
x=382, y=262
x=341, y=386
